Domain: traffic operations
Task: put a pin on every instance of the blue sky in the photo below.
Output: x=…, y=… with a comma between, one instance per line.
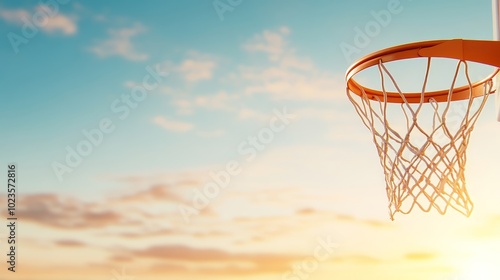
x=227, y=77
x=58, y=83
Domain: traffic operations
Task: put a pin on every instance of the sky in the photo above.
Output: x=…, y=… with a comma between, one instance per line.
x=215, y=139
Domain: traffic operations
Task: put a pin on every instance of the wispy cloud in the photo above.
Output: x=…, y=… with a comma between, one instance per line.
x=286, y=75
x=365, y=222
x=15, y=16
x=54, y=22
x=233, y=263
x=69, y=243
x=65, y=212
x=68, y=213
x=194, y=68
x=220, y=101
x=58, y=22
x=173, y=125
x=119, y=43
x=273, y=43
x=155, y=192
x=157, y=229
x=283, y=76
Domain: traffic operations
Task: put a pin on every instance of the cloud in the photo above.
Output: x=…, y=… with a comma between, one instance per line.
x=183, y=106
x=286, y=75
x=156, y=192
x=420, y=256
x=58, y=22
x=217, y=101
x=147, y=233
x=181, y=179
x=185, y=259
x=65, y=212
x=48, y=21
x=269, y=42
x=15, y=16
x=166, y=246
x=278, y=50
x=119, y=43
x=289, y=84
x=173, y=125
x=234, y=263
x=167, y=232
x=120, y=258
x=364, y=222
x=69, y=243
x=221, y=101
x=196, y=70
x=305, y=211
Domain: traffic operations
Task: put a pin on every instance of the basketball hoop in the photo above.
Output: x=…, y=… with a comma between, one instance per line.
x=430, y=173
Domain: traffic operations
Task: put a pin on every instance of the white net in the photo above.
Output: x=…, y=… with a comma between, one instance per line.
x=422, y=146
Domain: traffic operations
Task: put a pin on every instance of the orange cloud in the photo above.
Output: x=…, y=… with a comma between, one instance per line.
x=64, y=212
x=156, y=192
x=69, y=243
x=234, y=263
x=306, y=211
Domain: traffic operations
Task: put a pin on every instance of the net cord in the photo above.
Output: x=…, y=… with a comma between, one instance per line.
x=436, y=171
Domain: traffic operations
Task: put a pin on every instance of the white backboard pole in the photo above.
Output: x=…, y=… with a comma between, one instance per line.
x=495, y=8
x=496, y=15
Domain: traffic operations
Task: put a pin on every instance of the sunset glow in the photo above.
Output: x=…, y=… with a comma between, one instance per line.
x=214, y=140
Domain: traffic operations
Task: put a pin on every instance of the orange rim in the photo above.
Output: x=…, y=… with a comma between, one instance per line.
x=464, y=50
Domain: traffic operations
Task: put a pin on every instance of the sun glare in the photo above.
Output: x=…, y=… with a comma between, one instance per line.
x=481, y=270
